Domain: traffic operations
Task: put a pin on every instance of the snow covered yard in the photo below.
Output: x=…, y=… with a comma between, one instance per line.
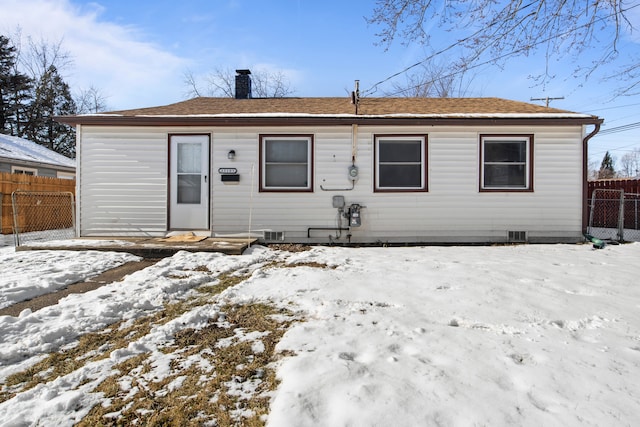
x=24, y=278
x=454, y=336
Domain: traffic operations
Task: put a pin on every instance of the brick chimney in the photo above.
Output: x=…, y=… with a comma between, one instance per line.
x=243, y=84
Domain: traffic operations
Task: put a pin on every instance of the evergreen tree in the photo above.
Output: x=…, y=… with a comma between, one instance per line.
x=14, y=90
x=607, y=170
x=51, y=97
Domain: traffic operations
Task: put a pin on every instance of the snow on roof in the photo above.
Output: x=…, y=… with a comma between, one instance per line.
x=15, y=148
x=339, y=108
x=403, y=115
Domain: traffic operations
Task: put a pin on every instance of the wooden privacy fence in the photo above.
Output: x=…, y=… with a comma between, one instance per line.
x=10, y=182
x=627, y=185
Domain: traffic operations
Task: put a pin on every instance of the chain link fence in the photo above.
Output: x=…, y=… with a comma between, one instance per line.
x=614, y=215
x=42, y=216
x=631, y=223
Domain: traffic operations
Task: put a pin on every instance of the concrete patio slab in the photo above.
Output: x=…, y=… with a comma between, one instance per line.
x=148, y=247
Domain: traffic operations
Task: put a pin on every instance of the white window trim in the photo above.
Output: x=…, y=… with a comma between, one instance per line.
x=22, y=169
x=527, y=139
x=66, y=175
x=263, y=169
x=423, y=161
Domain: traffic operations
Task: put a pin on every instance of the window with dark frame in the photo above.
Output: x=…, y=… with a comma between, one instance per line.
x=286, y=162
x=506, y=162
x=401, y=163
x=24, y=170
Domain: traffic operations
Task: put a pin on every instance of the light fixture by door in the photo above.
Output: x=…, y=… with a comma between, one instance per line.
x=231, y=154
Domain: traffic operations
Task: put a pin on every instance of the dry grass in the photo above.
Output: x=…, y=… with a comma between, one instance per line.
x=208, y=391
x=90, y=347
x=311, y=264
x=225, y=280
x=289, y=247
x=215, y=377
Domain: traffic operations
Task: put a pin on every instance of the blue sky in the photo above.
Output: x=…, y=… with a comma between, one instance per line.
x=137, y=53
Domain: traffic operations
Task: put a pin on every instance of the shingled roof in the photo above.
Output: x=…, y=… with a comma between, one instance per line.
x=218, y=111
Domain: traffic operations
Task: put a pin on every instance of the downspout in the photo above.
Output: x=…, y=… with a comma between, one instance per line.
x=585, y=177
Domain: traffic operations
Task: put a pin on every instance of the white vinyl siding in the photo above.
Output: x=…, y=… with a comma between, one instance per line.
x=124, y=186
x=452, y=211
x=123, y=181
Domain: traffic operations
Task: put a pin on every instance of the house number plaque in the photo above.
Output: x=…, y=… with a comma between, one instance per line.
x=226, y=171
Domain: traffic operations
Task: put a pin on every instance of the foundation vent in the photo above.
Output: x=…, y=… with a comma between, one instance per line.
x=274, y=236
x=517, y=236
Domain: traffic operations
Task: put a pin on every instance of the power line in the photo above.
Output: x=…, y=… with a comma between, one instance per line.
x=374, y=87
x=618, y=129
x=622, y=128
x=611, y=108
x=622, y=148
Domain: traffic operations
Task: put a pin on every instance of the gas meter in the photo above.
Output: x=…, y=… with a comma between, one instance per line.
x=354, y=215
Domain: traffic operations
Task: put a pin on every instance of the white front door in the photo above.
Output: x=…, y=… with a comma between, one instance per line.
x=189, y=182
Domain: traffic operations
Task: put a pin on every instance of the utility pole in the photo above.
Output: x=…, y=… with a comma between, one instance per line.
x=546, y=99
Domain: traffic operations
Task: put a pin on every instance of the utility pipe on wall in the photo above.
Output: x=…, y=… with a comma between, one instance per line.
x=354, y=152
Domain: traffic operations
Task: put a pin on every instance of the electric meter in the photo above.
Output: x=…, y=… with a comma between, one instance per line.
x=353, y=172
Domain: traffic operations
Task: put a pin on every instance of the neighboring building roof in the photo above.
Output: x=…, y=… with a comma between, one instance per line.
x=234, y=111
x=24, y=151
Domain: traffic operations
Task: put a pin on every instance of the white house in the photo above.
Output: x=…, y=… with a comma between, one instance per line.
x=336, y=170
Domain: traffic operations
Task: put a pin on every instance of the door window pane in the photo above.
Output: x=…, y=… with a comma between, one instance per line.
x=189, y=187
x=189, y=157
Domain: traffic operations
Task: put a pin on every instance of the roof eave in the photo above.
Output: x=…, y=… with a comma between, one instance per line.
x=322, y=120
x=37, y=164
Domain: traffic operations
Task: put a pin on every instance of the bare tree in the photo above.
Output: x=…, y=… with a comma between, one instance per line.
x=90, y=100
x=630, y=164
x=592, y=170
x=191, y=85
x=432, y=80
x=494, y=31
x=221, y=82
x=33, y=91
x=270, y=84
x=41, y=55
